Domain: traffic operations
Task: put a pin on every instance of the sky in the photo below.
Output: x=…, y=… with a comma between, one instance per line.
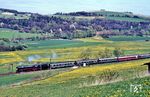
x=53, y=6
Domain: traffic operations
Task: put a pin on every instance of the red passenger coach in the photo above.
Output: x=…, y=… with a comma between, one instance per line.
x=127, y=58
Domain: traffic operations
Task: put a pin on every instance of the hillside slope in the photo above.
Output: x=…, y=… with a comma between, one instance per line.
x=89, y=81
x=77, y=24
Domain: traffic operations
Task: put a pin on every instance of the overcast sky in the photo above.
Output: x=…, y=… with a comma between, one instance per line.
x=53, y=6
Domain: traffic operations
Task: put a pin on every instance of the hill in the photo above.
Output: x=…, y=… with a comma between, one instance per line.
x=9, y=13
x=110, y=15
x=96, y=81
x=31, y=38
x=13, y=34
x=77, y=24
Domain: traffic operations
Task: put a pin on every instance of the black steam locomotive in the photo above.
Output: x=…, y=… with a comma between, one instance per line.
x=47, y=66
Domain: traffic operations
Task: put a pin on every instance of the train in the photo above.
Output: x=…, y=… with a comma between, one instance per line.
x=79, y=63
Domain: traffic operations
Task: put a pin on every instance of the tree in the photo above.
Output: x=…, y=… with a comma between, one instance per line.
x=33, y=30
x=85, y=54
x=118, y=52
x=106, y=53
x=101, y=54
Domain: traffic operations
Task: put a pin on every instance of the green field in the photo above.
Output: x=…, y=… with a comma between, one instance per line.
x=111, y=80
x=18, y=16
x=127, y=19
x=8, y=33
x=28, y=77
x=86, y=82
x=101, y=80
x=118, y=16
x=58, y=44
x=128, y=38
x=68, y=50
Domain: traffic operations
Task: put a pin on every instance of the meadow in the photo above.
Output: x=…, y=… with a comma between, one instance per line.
x=10, y=34
x=119, y=16
x=94, y=81
x=104, y=80
x=68, y=50
x=110, y=15
x=18, y=16
x=127, y=19
x=58, y=44
x=128, y=38
x=28, y=77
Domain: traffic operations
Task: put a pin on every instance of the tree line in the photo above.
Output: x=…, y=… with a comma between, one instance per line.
x=4, y=48
x=106, y=53
x=58, y=27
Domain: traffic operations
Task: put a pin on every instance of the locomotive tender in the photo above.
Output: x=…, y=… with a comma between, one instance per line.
x=47, y=66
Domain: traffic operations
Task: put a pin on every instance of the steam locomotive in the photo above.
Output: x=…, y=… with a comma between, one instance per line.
x=47, y=66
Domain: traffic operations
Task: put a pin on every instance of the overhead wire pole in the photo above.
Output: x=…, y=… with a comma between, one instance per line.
x=50, y=59
x=11, y=67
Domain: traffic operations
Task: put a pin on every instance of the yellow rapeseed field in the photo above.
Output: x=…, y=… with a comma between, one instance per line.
x=81, y=72
x=129, y=47
x=14, y=58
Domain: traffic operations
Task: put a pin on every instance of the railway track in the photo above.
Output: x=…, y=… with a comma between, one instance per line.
x=6, y=74
x=122, y=60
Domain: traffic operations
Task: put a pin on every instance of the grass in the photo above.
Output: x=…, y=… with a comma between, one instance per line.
x=111, y=80
x=128, y=38
x=97, y=70
x=58, y=44
x=13, y=57
x=68, y=50
x=110, y=13
x=28, y=77
x=93, y=39
x=11, y=79
x=127, y=19
x=82, y=82
x=75, y=81
x=10, y=34
x=119, y=89
x=18, y=16
x=118, y=16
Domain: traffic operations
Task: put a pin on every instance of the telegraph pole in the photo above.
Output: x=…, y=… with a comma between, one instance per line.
x=50, y=59
x=11, y=67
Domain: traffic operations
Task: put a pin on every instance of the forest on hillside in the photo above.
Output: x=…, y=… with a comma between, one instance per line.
x=67, y=28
